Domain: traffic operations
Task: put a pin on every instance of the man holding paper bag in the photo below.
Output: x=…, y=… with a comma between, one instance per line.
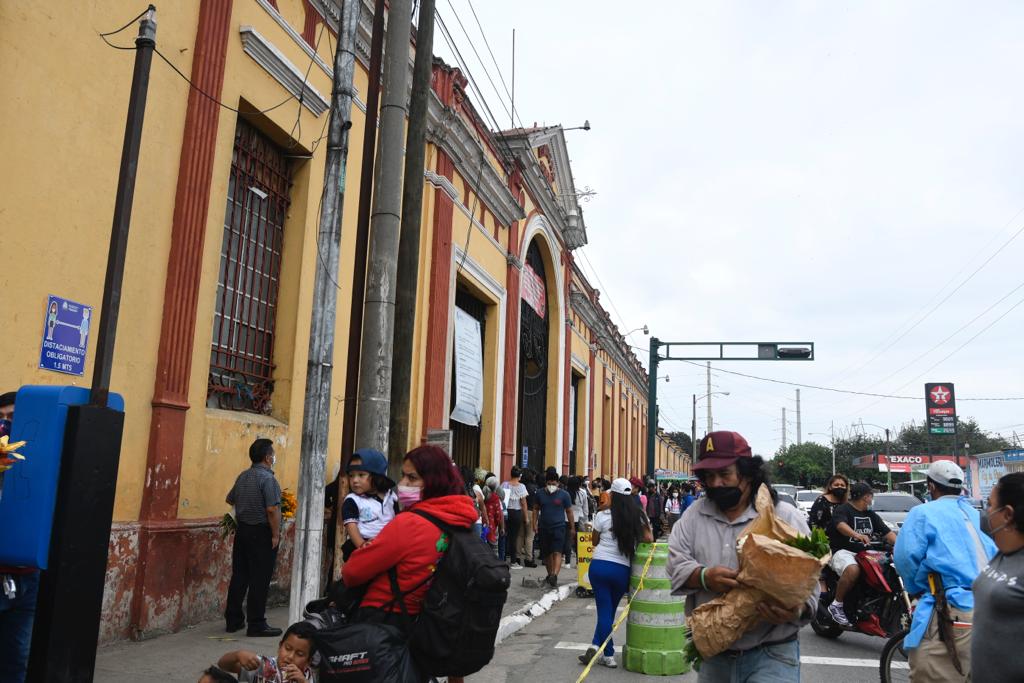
x=750, y=636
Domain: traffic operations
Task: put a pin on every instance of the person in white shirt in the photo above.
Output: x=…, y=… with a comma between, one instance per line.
x=617, y=531
x=516, y=506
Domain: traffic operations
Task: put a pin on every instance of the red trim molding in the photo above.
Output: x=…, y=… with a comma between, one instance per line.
x=434, y=408
x=159, y=562
x=511, y=380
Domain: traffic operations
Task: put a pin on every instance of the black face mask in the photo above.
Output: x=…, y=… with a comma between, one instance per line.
x=725, y=497
x=838, y=492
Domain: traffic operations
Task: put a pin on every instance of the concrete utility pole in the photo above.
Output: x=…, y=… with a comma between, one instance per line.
x=783, y=427
x=355, y=320
x=711, y=424
x=374, y=395
x=309, y=518
x=409, y=242
x=693, y=431
x=799, y=435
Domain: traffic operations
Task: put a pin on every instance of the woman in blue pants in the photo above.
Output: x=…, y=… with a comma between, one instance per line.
x=617, y=531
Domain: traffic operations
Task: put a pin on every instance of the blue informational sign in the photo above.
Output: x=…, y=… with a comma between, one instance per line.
x=526, y=456
x=65, y=336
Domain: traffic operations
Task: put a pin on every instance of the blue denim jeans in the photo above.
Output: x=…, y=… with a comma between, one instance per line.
x=16, y=617
x=610, y=581
x=769, y=664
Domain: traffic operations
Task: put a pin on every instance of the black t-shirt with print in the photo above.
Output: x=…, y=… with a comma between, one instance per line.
x=867, y=523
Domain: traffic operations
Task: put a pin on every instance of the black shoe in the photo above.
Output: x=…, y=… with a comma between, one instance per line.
x=531, y=564
x=231, y=628
x=263, y=632
x=552, y=580
x=588, y=655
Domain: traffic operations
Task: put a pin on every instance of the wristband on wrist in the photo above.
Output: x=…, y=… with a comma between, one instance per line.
x=703, y=585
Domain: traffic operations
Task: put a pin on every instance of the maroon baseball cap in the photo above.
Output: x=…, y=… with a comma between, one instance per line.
x=721, y=449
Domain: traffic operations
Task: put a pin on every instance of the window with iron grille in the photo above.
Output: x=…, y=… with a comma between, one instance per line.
x=242, y=354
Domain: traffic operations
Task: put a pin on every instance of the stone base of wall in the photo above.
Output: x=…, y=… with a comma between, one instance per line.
x=204, y=560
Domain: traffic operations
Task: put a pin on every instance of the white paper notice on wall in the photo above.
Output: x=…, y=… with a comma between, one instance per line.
x=469, y=370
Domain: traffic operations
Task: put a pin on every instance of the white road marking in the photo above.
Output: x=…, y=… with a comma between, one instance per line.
x=842, y=661
x=823, y=661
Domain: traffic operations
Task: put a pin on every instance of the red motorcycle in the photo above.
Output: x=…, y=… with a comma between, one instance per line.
x=878, y=604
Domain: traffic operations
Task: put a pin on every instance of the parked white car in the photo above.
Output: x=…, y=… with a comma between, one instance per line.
x=805, y=499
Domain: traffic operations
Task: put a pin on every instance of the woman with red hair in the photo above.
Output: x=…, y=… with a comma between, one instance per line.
x=410, y=543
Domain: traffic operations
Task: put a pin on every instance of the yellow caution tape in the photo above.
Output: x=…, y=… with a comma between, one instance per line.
x=618, y=622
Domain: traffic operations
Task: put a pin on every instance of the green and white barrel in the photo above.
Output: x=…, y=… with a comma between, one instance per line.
x=654, y=632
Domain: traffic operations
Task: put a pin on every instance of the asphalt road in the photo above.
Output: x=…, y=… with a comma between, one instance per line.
x=546, y=651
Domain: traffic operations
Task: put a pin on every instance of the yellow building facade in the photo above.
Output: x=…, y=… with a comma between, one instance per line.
x=215, y=316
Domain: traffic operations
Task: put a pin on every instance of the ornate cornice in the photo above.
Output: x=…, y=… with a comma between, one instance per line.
x=449, y=131
x=605, y=335
x=282, y=70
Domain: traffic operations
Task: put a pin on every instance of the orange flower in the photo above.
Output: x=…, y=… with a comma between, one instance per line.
x=288, y=504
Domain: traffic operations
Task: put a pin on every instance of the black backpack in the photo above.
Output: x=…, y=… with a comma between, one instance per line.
x=458, y=621
x=358, y=652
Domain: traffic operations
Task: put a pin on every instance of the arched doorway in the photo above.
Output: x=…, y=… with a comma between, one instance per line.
x=534, y=315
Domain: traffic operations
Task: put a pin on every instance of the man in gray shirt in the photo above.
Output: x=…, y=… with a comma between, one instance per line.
x=702, y=561
x=256, y=496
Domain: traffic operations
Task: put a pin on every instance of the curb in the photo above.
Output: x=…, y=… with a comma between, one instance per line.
x=512, y=623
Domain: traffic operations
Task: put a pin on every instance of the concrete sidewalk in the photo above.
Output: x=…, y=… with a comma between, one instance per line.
x=182, y=656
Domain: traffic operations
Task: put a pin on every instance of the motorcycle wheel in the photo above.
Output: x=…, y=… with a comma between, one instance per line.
x=826, y=631
x=894, y=666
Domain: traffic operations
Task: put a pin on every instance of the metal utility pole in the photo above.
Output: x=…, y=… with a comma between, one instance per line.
x=409, y=241
x=799, y=435
x=693, y=431
x=832, y=431
x=309, y=518
x=652, y=403
x=888, y=461
x=711, y=424
x=63, y=648
x=355, y=319
x=375, y=363
x=783, y=427
x=777, y=351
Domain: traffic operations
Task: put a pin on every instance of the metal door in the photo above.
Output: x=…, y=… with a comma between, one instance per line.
x=533, y=366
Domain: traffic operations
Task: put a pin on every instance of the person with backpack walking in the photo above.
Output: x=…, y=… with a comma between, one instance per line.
x=419, y=570
x=617, y=532
x=654, y=508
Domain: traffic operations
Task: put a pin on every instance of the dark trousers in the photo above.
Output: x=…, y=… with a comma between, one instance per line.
x=252, y=565
x=512, y=529
x=16, y=617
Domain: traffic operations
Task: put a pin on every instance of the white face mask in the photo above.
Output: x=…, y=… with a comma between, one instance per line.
x=552, y=488
x=273, y=460
x=675, y=495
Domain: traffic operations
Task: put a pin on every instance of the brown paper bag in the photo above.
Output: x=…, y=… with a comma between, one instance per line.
x=768, y=569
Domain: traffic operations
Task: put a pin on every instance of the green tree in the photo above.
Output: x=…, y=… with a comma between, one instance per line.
x=806, y=465
x=683, y=439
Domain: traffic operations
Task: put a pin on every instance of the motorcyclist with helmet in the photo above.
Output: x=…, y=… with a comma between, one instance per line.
x=853, y=527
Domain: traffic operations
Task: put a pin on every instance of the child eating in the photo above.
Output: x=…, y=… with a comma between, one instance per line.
x=291, y=665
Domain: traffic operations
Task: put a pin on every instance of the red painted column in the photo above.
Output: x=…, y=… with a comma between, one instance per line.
x=163, y=556
x=510, y=384
x=591, y=380
x=439, y=313
x=567, y=369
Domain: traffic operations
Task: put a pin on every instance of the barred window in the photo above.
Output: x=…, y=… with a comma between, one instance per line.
x=242, y=355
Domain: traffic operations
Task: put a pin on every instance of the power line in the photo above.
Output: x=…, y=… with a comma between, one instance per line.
x=946, y=298
x=479, y=60
x=865, y=393
x=958, y=331
x=501, y=77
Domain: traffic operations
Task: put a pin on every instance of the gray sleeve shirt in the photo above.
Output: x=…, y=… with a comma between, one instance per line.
x=704, y=537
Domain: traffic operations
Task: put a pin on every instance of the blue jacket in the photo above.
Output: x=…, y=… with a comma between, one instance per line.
x=935, y=539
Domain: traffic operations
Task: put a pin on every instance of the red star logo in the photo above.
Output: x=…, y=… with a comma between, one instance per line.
x=940, y=395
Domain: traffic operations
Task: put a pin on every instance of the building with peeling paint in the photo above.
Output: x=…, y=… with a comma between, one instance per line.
x=215, y=315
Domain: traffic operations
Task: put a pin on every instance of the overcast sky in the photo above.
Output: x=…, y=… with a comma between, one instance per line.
x=791, y=171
